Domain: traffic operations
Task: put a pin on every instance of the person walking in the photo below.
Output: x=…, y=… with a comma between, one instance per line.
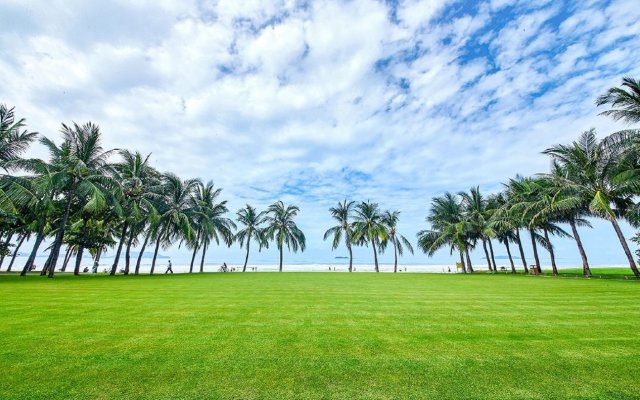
x=169, y=269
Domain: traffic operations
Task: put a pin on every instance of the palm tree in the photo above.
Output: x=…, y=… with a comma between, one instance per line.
x=624, y=100
x=474, y=207
x=590, y=171
x=175, y=222
x=448, y=229
x=390, y=221
x=368, y=228
x=84, y=174
x=282, y=228
x=14, y=140
x=251, y=221
x=137, y=181
x=210, y=220
x=342, y=215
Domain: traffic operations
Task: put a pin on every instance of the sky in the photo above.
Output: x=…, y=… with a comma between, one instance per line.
x=312, y=102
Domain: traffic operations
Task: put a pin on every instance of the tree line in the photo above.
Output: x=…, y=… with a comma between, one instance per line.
x=589, y=177
x=85, y=202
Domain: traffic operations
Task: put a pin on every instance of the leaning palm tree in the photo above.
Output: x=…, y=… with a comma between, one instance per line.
x=590, y=173
x=136, y=178
x=252, y=229
x=474, y=206
x=448, y=229
x=390, y=221
x=175, y=222
x=82, y=169
x=368, y=228
x=342, y=215
x=282, y=228
x=624, y=100
x=210, y=219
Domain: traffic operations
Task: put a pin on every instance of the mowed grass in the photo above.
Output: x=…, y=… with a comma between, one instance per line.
x=319, y=336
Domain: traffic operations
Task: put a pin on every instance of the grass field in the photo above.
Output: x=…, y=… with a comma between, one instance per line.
x=319, y=336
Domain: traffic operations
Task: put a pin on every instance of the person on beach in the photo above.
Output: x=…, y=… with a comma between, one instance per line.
x=169, y=269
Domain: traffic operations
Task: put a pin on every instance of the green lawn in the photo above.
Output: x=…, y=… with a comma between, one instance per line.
x=319, y=336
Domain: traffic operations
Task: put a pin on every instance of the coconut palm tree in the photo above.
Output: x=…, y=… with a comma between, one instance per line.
x=81, y=168
x=448, y=229
x=342, y=215
x=624, y=100
x=210, y=220
x=14, y=140
x=282, y=228
x=368, y=228
x=474, y=207
x=175, y=222
x=137, y=181
x=251, y=222
x=590, y=171
x=390, y=221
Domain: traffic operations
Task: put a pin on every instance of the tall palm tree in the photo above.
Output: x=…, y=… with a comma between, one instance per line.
x=624, y=100
x=448, y=229
x=251, y=222
x=283, y=229
x=590, y=170
x=368, y=228
x=81, y=167
x=474, y=206
x=390, y=221
x=342, y=215
x=139, y=183
x=175, y=222
x=565, y=205
x=210, y=219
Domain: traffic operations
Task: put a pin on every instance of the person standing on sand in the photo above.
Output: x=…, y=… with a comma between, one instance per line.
x=169, y=268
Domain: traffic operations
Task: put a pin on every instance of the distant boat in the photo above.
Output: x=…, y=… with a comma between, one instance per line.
x=341, y=257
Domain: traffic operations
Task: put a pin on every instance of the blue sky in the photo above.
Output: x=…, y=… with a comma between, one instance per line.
x=314, y=101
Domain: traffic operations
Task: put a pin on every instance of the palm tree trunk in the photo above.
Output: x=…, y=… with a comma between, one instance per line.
x=34, y=251
x=524, y=260
x=486, y=254
x=551, y=253
x=535, y=250
x=144, y=245
x=513, y=267
x=127, y=253
x=47, y=264
x=116, y=260
x=195, y=250
x=280, y=248
x=76, y=270
x=469, y=265
x=6, y=245
x=155, y=252
x=15, y=252
x=67, y=257
x=585, y=264
x=246, y=258
x=204, y=251
x=623, y=242
x=58, y=241
x=350, y=258
x=96, y=260
x=395, y=259
x=375, y=256
x=464, y=267
x=493, y=258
